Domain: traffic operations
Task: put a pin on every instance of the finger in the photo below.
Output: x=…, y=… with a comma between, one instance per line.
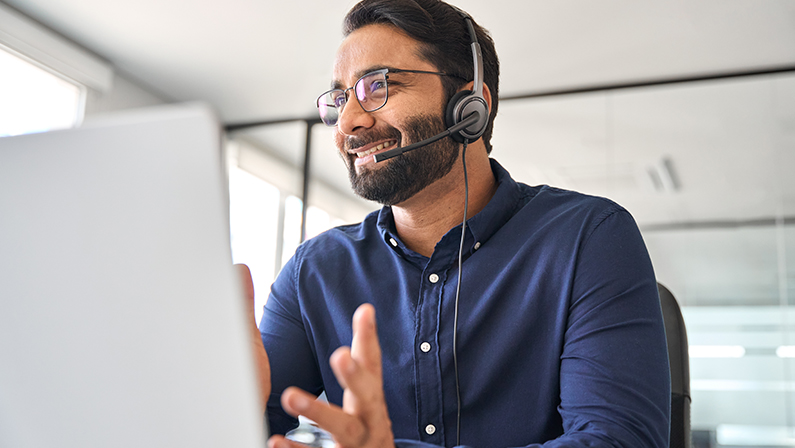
x=248, y=293
x=365, y=348
x=346, y=429
x=278, y=441
x=339, y=362
x=260, y=357
x=365, y=386
x=245, y=280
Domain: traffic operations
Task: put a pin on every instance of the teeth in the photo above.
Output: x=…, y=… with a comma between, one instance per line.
x=375, y=149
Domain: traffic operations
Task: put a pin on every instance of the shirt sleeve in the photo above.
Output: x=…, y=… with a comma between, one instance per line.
x=614, y=375
x=290, y=353
x=615, y=380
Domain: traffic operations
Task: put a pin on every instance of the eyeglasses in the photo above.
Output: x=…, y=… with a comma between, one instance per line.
x=372, y=91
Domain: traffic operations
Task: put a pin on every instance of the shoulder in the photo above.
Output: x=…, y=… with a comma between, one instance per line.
x=549, y=202
x=339, y=242
x=562, y=200
x=566, y=208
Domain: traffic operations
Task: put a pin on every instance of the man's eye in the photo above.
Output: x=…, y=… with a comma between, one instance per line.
x=377, y=85
x=339, y=101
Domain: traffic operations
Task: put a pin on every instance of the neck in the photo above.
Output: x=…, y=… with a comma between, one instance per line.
x=425, y=218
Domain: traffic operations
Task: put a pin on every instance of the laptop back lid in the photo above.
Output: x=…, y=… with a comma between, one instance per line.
x=122, y=323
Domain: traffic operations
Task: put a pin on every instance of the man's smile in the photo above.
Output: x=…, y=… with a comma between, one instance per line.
x=364, y=155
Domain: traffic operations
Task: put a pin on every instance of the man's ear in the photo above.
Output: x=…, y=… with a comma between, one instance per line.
x=486, y=92
x=465, y=102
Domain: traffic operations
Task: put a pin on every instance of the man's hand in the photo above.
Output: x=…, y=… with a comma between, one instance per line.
x=260, y=357
x=363, y=420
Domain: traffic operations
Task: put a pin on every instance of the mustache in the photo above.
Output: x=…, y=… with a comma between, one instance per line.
x=354, y=142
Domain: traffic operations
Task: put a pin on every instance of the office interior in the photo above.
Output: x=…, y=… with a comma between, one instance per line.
x=682, y=112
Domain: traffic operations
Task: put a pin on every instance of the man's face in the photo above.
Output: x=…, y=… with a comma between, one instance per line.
x=413, y=112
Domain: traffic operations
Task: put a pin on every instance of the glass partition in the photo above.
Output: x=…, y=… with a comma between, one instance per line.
x=706, y=170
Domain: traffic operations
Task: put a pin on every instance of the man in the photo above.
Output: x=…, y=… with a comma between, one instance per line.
x=557, y=335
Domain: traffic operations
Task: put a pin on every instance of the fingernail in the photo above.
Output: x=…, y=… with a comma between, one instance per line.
x=300, y=403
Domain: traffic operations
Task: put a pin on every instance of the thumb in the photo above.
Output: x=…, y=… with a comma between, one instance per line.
x=245, y=280
x=248, y=294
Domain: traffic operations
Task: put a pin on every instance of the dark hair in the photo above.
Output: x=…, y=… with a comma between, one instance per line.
x=445, y=42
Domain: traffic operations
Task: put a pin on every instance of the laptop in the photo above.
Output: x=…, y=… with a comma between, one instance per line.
x=121, y=318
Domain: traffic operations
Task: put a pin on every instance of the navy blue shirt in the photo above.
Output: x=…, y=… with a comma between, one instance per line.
x=560, y=333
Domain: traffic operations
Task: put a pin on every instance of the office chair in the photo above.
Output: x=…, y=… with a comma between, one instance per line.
x=679, y=361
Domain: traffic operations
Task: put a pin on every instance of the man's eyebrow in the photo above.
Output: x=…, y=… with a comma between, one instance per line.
x=336, y=84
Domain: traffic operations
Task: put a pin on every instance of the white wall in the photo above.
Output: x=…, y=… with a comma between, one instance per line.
x=125, y=93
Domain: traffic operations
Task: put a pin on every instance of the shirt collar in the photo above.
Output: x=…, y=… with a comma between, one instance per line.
x=501, y=208
x=481, y=227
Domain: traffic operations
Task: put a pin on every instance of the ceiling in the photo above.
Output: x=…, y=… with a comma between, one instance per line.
x=265, y=59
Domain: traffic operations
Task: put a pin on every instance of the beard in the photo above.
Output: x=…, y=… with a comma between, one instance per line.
x=408, y=174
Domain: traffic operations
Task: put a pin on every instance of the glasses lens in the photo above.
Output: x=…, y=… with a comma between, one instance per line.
x=329, y=105
x=371, y=90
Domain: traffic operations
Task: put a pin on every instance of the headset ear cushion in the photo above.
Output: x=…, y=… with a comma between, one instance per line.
x=450, y=119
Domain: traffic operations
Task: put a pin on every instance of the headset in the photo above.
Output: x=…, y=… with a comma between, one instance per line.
x=466, y=117
x=467, y=113
x=467, y=102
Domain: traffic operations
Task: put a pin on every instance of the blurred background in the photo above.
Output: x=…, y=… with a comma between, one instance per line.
x=683, y=112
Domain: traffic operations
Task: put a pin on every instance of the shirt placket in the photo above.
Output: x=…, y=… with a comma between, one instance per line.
x=427, y=353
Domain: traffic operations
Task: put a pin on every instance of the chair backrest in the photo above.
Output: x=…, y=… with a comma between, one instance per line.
x=679, y=360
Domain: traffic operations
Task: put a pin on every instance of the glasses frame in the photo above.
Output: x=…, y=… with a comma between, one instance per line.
x=385, y=72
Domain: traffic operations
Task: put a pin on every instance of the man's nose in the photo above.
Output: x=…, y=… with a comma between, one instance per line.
x=354, y=118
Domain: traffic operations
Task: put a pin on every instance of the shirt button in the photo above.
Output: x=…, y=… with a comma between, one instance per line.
x=433, y=278
x=425, y=347
x=393, y=242
x=477, y=245
x=430, y=429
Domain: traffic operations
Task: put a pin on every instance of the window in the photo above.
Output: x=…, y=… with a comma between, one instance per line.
x=291, y=236
x=254, y=224
x=35, y=100
x=317, y=222
x=265, y=207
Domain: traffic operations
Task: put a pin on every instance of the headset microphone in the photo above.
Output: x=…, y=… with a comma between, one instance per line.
x=468, y=121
